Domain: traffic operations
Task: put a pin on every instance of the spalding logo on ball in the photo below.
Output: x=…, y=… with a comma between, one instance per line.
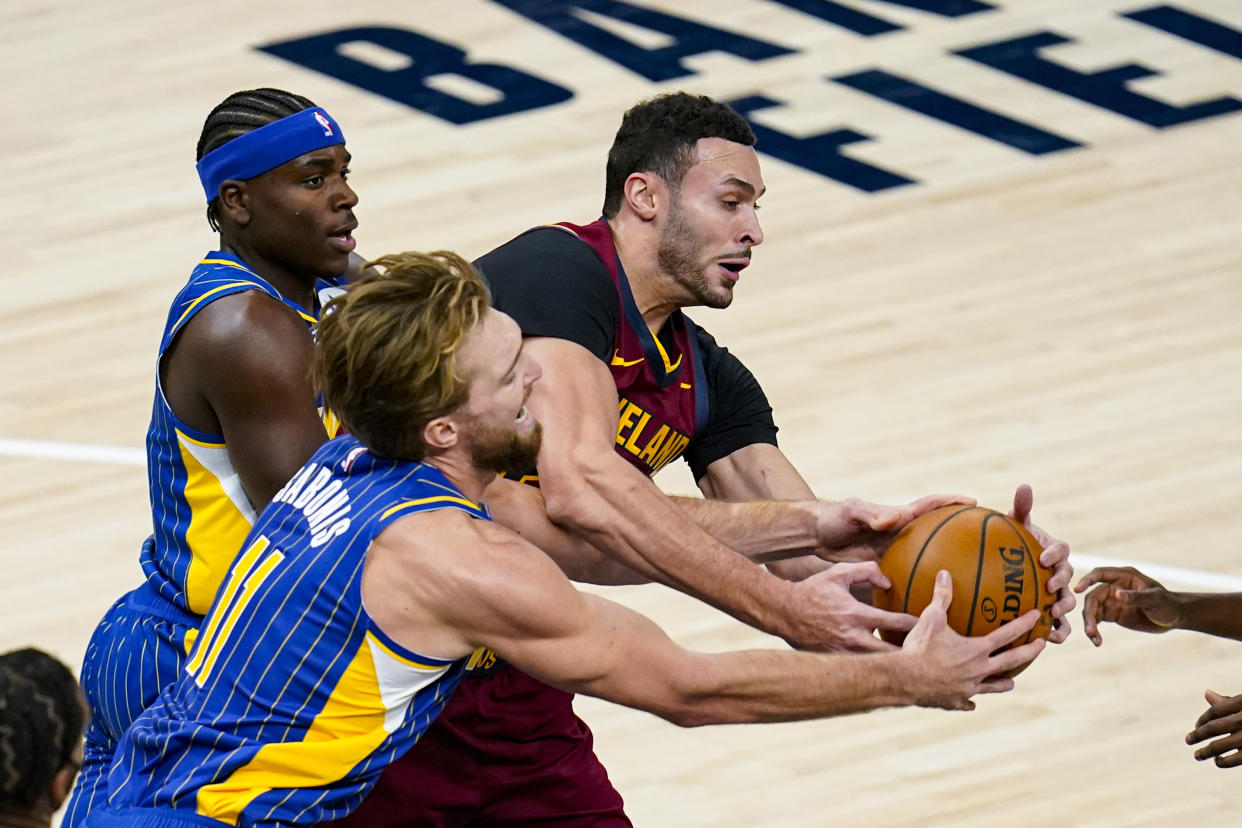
x=993, y=559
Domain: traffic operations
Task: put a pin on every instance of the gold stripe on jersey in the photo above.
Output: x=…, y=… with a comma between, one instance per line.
x=368, y=703
x=228, y=263
x=393, y=654
x=563, y=228
x=244, y=564
x=331, y=422
x=348, y=729
x=220, y=517
x=191, y=636
x=249, y=587
x=213, y=292
x=425, y=500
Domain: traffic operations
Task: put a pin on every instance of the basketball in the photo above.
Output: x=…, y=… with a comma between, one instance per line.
x=994, y=562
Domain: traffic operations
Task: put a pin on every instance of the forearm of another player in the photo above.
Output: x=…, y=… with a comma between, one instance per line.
x=762, y=472
x=776, y=686
x=763, y=531
x=692, y=689
x=620, y=511
x=1217, y=614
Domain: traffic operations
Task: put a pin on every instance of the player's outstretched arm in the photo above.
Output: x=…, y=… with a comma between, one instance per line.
x=744, y=527
x=1223, y=719
x=1127, y=597
x=590, y=490
x=850, y=530
x=447, y=585
x=759, y=478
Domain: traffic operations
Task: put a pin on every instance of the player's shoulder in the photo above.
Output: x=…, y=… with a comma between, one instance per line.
x=461, y=524
x=247, y=333
x=548, y=248
x=250, y=314
x=713, y=353
x=468, y=551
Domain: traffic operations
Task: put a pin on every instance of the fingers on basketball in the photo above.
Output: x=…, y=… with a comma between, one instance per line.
x=994, y=569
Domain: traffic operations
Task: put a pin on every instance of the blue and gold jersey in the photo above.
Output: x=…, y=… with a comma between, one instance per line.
x=293, y=700
x=199, y=509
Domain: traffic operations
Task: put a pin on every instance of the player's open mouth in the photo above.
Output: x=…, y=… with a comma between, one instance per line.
x=343, y=242
x=733, y=269
x=523, y=417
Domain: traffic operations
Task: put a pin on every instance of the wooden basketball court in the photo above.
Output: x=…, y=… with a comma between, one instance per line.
x=1027, y=272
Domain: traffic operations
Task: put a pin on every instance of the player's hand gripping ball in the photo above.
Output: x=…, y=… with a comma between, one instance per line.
x=995, y=566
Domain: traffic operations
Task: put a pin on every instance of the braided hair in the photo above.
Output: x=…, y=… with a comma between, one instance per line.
x=41, y=722
x=240, y=113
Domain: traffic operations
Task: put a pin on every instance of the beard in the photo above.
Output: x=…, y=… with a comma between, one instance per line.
x=504, y=450
x=680, y=255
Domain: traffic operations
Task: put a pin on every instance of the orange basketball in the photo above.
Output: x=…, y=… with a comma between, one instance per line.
x=994, y=562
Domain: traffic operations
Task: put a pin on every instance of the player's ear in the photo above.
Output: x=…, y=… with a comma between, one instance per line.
x=58, y=789
x=441, y=434
x=643, y=194
x=234, y=202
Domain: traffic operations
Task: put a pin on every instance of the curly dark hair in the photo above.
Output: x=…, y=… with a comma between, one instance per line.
x=658, y=135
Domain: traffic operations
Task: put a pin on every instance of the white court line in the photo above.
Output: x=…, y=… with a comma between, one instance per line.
x=1169, y=576
x=85, y=452
x=79, y=452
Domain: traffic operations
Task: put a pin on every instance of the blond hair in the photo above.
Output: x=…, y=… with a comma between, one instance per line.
x=385, y=355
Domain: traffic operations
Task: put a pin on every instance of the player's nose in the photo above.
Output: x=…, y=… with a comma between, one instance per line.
x=752, y=232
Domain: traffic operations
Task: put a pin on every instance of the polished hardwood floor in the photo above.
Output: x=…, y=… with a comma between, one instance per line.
x=1028, y=271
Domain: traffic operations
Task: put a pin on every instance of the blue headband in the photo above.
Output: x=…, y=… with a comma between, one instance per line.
x=266, y=148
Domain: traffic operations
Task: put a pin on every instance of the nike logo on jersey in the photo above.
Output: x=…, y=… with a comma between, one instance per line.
x=624, y=363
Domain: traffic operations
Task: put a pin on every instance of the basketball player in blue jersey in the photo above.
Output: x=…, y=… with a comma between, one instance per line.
x=375, y=573
x=630, y=385
x=234, y=413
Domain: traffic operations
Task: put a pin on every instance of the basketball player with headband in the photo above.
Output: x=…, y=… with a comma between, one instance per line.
x=234, y=413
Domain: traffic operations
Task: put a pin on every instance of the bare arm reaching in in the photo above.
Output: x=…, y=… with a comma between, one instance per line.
x=450, y=584
x=1127, y=597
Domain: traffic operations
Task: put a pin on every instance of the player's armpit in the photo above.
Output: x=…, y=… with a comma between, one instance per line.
x=441, y=584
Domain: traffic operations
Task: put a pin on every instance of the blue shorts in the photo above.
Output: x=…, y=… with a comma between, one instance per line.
x=138, y=649
x=148, y=818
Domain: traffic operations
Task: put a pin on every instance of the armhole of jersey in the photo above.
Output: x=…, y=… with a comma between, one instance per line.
x=430, y=504
x=386, y=518
x=166, y=343
x=403, y=653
